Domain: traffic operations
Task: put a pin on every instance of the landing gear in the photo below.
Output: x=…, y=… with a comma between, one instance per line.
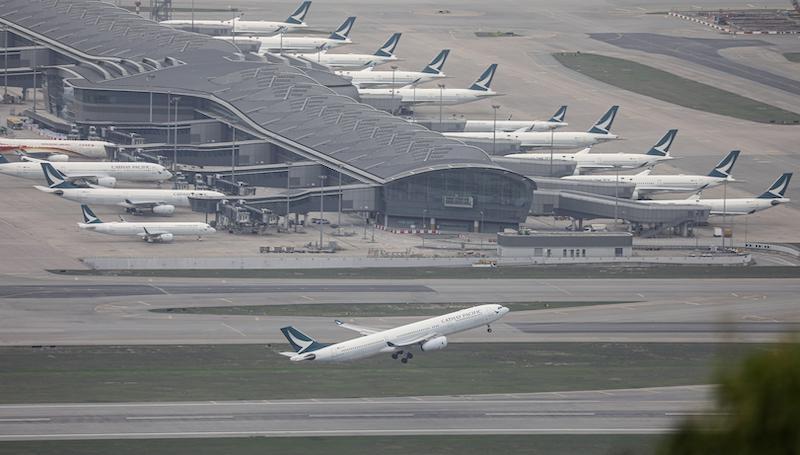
x=397, y=354
x=488, y=328
x=404, y=360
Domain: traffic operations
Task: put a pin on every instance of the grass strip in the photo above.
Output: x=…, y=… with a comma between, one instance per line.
x=665, y=86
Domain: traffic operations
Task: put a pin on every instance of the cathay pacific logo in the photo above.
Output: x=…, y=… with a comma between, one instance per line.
x=300, y=15
x=662, y=148
x=560, y=115
x=387, y=50
x=603, y=126
x=485, y=80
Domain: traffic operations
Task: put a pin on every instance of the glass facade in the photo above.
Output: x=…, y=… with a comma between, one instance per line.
x=459, y=199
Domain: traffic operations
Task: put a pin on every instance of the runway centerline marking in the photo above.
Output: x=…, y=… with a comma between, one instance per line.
x=538, y=414
x=28, y=419
x=326, y=416
x=186, y=417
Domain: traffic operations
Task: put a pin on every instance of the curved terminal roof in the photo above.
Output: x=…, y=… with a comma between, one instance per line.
x=286, y=104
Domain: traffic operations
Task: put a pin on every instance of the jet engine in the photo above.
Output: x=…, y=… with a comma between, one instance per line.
x=108, y=182
x=165, y=238
x=58, y=158
x=164, y=209
x=434, y=344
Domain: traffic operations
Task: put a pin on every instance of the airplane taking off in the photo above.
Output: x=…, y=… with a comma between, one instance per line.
x=428, y=335
x=599, y=132
x=103, y=173
x=135, y=200
x=370, y=78
x=594, y=161
x=383, y=55
x=646, y=183
x=555, y=122
x=290, y=43
x=238, y=26
x=738, y=206
x=57, y=149
x=150, y=232
x=445, y=96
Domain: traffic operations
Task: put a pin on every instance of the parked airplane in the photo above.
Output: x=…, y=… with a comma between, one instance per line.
x=738, y=206
x=134, y=200
x=370, y=78
x=599, y=132
x=555, y=122
x=428, y=335
x=238, y=26
x=290, y=43
x=103, y=173
x=445, y=96
x=383, y=55
x=150, y=232
x=646, y=183
x=57, y=149
x=593, y=161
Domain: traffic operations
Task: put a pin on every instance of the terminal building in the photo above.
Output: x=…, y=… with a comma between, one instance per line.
x=276, y=132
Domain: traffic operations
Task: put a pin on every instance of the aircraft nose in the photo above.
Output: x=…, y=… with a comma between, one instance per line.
x=211, y=230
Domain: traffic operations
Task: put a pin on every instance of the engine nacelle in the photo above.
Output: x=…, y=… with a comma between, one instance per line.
x=108, y=182
x=434, y=344
x=164, y=209
x=165, y=238
x=58, y=158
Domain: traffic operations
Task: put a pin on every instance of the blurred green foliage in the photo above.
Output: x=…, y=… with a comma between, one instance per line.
x=758, y=410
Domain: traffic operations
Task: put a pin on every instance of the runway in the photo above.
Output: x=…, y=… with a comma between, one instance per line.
x=97, y=311
x=651, y=410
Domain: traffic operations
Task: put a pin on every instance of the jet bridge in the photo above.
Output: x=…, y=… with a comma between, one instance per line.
x=646, y=219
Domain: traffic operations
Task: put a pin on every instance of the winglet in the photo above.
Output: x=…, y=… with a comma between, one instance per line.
x=603, y=126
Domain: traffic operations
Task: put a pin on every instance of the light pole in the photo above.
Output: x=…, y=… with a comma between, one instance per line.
x=175, y=142
x=233, y=155
x=551, y=150
x=616, y=194
x=169, y=116
x=321, y=206
x=495, y=107
x=365, y=221
x=724, y=208
x=193, y=15
x=5, y=61
x=149, y=78
x=34, y=77
x=441, y=102
x=480, y=230
x=339, y=215
x=394, y=88
x=288, y=199
x=424, y=215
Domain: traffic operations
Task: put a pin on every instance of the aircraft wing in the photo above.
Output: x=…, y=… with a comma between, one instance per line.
x=405, y=343
x=357, y=328
x=136, y=204
x=646, y=188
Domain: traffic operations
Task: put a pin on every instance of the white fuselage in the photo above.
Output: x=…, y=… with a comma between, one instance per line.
x=120, y=196
x=138, y=229
x=646, y=184
x=435, y=96
x=289, y=43
x=86, y=149
x=367, y=78
x=479, y=126
x=341, y=61
x=370, y=345
x=597, y=160
x=128, y=171
x=729, y=207
x=236, y=26
x=558, y=139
